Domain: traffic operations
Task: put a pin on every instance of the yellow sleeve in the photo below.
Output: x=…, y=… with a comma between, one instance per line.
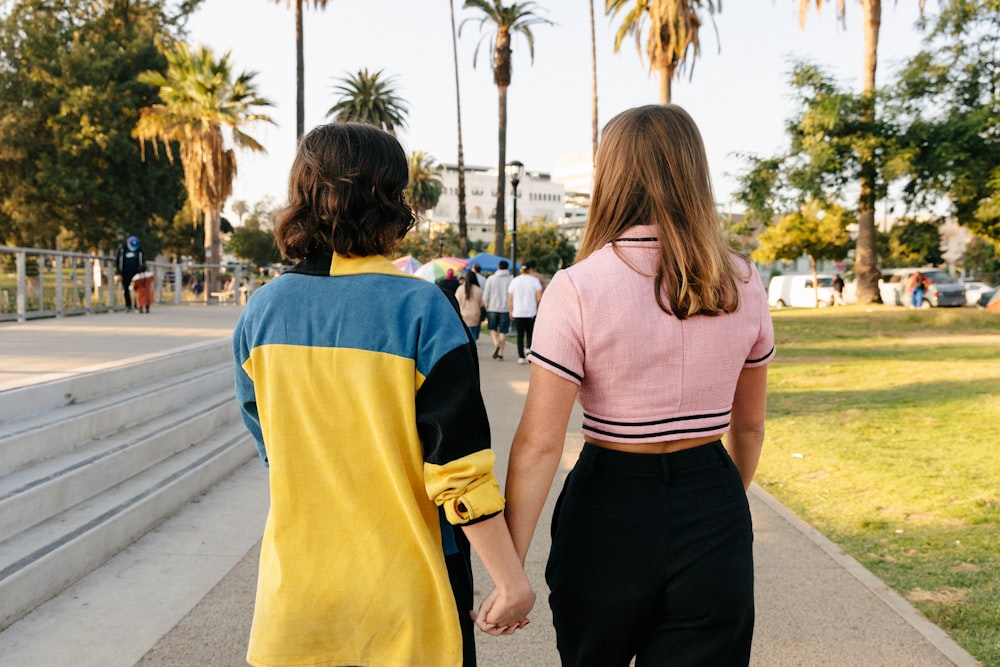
x=466, y=488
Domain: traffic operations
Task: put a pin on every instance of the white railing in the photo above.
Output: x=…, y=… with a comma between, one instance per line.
x=36, y=283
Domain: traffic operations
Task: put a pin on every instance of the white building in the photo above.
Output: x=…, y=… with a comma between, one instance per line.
x=538, y=198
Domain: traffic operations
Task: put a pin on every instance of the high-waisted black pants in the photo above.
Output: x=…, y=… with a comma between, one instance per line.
x=652, y=558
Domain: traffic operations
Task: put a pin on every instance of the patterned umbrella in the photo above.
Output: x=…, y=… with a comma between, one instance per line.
x=407, y=264
x=436, y=269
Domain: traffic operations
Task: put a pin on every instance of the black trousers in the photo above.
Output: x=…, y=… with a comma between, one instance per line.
x=525, y=328
x=126, y=282
x=652, y=558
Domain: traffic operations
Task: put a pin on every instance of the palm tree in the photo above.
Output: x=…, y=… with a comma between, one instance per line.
x=240, y=208
x=300, y=86
x=507, y=20
x=673, y=33
x=593, y=78
x=366, y=98
x=463, y=225
x=426, y=186
x=199, y=97
x=866, y=253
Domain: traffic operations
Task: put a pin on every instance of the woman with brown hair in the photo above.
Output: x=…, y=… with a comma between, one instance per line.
x=361, y=388
x=663, y=335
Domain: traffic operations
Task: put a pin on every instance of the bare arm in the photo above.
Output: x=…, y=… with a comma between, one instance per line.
x=536, y=452
x=507, y=607
x=746, y=431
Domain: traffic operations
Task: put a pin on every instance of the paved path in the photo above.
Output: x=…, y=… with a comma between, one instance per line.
x=183, y=594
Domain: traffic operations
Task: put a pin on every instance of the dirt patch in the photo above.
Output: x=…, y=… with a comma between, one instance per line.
x=944, y=596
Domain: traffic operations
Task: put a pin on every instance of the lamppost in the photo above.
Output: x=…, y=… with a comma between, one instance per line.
x=515, y=172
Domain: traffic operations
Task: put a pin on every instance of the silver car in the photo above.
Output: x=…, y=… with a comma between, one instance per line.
x=942, y=290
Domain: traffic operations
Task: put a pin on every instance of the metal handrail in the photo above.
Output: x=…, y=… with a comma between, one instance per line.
x=37, y=283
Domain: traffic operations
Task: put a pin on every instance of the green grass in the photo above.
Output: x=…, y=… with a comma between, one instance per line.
x=884, y=433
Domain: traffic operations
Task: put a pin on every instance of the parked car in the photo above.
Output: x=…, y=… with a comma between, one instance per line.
x=798, y=291
x=942, y=289
x=987, y=296
x=974, y=290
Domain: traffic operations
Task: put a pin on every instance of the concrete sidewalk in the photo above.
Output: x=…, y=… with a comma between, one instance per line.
x=183, y=594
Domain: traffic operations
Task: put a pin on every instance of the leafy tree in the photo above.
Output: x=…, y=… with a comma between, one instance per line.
x=240, y=208
x=516, y=18
x=181, y=236
x=948, y=98
x=199, y=97
x=70, y=175
x=914, y=243
x=366, y=98
x=425, y=186
x=425, y=246
x=832, y=141
x=254, y=240
x=866, y=260
x=817, y=231
x=672, y=36
x=543, y=241
x=300, y=87
x=982, y=259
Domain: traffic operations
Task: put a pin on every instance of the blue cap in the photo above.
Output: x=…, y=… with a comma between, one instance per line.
x=133, y=243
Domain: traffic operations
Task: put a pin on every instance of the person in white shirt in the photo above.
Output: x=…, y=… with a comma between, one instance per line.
x=523, y=296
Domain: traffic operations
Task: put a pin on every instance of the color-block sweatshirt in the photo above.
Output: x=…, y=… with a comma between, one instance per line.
x=361, y=387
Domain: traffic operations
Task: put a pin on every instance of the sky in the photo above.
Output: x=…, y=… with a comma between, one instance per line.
x=738, y=94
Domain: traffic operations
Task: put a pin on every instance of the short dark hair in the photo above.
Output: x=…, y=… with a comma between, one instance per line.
x=503, y=264
x=346, y=194
x=530, y=264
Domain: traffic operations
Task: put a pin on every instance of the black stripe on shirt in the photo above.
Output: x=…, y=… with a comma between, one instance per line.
x=757, y=361
x=668, y=420
x=555, y=365
x=657, y=434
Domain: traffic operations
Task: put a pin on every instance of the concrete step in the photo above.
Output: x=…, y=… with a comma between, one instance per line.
x=42, y=435
x=39, y=562
x=39, y=490
x=65, y=389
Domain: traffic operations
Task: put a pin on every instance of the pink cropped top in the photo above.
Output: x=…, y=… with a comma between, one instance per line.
x=644, y=375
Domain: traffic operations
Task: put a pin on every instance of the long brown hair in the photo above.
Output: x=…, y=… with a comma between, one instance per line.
x=651, y=169
x=346, y=194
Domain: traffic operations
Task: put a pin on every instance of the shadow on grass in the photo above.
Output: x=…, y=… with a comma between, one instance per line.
x=803, y=402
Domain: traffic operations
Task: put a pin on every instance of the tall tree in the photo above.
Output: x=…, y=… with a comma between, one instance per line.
x=866, y=258
x=70, y=174
x=503, y=21
x=463, y=224
x=300, y=85
x=369, y=98
x=948, y=96
x=593, y=83
x=199, y=97
x=673, y=33
x=425, y=187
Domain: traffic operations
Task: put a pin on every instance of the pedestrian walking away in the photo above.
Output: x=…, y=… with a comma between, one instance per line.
x=496, y=301
x=663, y=335
x=524, y=293
x=360, y=386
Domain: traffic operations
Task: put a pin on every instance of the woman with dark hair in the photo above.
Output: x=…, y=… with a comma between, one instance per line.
x=470, y=303
x=663, y=334
x=361, y=389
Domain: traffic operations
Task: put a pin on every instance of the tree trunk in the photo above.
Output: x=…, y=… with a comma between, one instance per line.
x=593, y=79
x=300, y=86
x=501, y=221
x=213, y=248
x=666, y=73
x=866, y=255
x=463, y=225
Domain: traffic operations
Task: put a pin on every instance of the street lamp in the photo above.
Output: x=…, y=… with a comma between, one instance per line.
x=515, y=172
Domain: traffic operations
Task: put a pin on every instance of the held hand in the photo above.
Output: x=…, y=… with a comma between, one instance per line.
x=503, y=612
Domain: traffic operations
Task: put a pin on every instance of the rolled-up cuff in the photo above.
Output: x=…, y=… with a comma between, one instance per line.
x=466, y=488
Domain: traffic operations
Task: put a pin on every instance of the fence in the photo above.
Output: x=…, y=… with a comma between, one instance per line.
x=37, y=283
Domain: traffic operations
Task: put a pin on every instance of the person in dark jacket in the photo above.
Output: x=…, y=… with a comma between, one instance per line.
x=129, y=261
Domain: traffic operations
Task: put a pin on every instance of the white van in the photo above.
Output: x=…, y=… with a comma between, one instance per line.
x=798, y=291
